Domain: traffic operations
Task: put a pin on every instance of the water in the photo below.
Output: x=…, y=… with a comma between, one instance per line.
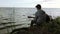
x=19, y=15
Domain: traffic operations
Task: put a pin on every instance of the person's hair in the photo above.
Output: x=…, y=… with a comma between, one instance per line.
x=38, y=6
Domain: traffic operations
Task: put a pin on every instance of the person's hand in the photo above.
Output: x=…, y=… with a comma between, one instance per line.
x=29, y=16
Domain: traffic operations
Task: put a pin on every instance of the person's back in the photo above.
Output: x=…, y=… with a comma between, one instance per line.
x=39, y=13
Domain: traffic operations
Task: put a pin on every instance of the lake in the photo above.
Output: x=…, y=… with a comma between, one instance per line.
x=19, y=15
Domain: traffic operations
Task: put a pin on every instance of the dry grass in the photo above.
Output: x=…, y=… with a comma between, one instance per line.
x=46, y=28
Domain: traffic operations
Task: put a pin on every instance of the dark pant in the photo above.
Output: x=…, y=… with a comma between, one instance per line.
x=32, y=22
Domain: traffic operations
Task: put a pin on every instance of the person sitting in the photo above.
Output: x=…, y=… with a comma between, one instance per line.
x=39, y=16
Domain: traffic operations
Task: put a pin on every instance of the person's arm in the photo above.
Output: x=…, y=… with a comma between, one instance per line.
x=30, y=17
x=43, y=12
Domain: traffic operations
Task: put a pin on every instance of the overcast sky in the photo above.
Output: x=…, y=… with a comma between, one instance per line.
x=30, y=3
